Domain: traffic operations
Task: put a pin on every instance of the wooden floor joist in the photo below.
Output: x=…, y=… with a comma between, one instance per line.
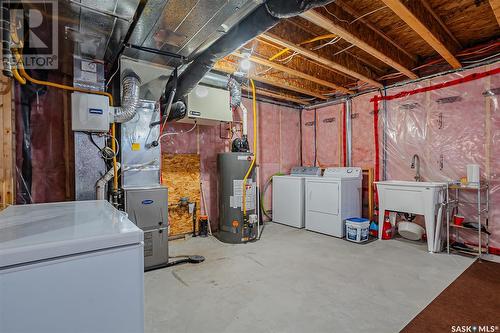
x=317, y=58
x=346, y=31
x=414, y=13
x=271, y=81
x=305, y=76
x=271, y=94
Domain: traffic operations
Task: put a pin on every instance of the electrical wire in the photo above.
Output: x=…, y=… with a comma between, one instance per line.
x=331, y=42
x=106, y=153
x=177, y=133
x=113, y=75
x=369, y=13
x=480, y=60
x=329, y=12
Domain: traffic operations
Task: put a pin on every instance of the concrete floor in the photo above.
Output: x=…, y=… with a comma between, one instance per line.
x=296, y=281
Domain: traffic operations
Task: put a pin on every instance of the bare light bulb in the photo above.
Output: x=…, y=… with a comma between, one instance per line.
x=245, y=64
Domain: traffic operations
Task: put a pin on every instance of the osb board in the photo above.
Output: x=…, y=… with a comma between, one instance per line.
x=181, y=174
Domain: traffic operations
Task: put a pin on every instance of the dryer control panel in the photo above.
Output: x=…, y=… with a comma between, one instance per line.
x=305, y=171
x=347, y=172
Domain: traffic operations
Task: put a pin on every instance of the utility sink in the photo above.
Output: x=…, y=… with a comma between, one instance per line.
x=410, y=183
x=422, y=198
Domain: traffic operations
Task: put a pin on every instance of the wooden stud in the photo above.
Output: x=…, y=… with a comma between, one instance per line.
x=290, y=71
x=413, y=14
x=219, y=66
x=495, y=6
x=317, y=58
x=355, y=37
x=6, y=146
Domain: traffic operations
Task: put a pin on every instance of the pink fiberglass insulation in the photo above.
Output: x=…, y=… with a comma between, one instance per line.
x=448, y=128
x=45, y=132
x=279, y=147
x=308, y=138
x=363, y=148
x=328, y=145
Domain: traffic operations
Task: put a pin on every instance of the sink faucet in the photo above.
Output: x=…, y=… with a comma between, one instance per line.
x=415, y=164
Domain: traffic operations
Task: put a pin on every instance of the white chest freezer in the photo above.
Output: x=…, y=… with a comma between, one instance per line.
x=70, y=267
x=288, y=196
x=332, y=199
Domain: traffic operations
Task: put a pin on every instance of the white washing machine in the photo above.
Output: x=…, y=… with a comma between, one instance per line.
x=332, y=199
x=288, y=196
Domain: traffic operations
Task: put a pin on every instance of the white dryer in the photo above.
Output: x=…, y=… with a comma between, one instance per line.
x=332, y=199
x=288, y=196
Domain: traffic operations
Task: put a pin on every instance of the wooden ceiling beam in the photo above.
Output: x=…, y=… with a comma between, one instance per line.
x=317, y=58
x=417, y=17
x=276, y=95
x=495, y=6
x=365, y=39
x=290, y=71
x=219, y=66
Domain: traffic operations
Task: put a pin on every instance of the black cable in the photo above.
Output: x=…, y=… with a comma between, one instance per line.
x=93, y=141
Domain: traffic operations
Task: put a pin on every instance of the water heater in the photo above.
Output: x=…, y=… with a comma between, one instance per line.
x=234, y=226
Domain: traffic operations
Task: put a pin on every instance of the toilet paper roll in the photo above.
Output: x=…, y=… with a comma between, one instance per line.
x=473, y=173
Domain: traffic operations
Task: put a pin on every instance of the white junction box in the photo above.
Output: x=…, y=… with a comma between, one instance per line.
x=89, y=112
x=208, y=106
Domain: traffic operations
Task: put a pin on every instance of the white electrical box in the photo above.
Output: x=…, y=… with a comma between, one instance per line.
x=89, y=112
x=208, y=106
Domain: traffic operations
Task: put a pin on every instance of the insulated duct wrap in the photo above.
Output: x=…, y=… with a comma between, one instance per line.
x=6, y=40
x=260, y=20
x=130, y=98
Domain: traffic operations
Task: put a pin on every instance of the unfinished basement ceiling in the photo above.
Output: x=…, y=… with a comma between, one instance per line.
x=98, y=28
x=366, y=44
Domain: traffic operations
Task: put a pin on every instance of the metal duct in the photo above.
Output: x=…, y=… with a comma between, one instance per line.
x=130, y=98
x=235, y=92
x=6, y=39
x=261, y=19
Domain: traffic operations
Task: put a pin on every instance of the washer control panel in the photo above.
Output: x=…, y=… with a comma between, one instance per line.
x=306, y=171
x=347, y=172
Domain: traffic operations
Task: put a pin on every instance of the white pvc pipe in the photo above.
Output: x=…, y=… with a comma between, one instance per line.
x=100, y=186
x=244, y=115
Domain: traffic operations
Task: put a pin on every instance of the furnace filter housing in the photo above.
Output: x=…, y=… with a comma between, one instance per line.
x=232, y=168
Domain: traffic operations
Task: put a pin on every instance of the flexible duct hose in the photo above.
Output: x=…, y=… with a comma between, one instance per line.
x=235, y=92
x=130, y=98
